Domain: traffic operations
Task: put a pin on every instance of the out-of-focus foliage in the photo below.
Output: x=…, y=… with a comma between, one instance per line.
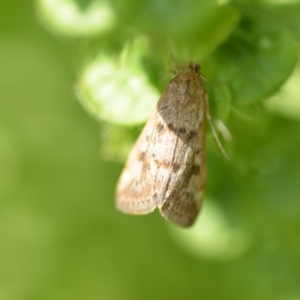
x=107, y=80
x=60, y=235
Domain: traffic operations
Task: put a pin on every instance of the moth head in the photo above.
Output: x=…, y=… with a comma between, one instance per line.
x=195, y=68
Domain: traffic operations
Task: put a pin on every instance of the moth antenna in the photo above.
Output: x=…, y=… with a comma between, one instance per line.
x=214, y=131
x=172, y=58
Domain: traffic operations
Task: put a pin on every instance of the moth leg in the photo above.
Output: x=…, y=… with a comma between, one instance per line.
x=223, y=130
x=213, y=130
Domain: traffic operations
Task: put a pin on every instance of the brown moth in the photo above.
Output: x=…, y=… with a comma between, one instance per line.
x=166, y=168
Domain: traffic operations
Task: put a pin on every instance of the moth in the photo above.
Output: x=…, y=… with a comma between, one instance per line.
x=166, y=169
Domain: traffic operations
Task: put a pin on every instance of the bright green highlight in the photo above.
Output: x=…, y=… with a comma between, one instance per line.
x=65, y=17
x=212, y=237
x=118, y=90
x=286, y=102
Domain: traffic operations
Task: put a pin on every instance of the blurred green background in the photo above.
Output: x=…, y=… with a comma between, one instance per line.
x=60, y=235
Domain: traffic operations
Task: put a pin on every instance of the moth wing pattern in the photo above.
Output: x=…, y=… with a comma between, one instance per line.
x=166, y=168
x=184, y=196
x=141, y=181
x=184, y=201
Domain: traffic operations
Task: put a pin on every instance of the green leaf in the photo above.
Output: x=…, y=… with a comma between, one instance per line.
x=256, y=60
x=219, y=97
x=118, y=90
x=196, y=28
x=287, y=14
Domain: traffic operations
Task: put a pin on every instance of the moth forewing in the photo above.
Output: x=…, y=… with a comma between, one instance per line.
x=183, y=202
x=166, y=168
x=134, y=186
